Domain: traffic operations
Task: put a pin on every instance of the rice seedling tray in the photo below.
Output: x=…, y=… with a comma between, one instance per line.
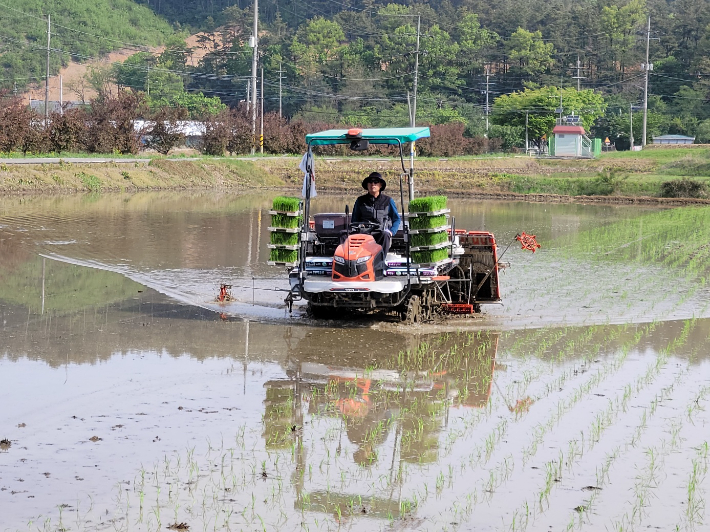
x=430, y=256
x=433, y=246
x=430, y=264
x=279, y=263
x=286, y=213
x=427, y=204
x=285, y=204
x=431, y=229
x=431, y=213
x=294, y=247
x=283, y=255
x=285, y=229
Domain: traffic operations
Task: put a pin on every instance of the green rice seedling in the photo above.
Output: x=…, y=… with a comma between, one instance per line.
x=288, y=222
x=283, y=255
x=429, y=239
x=286, y=204
x=284, y=239
x=427, y=204
x=424, y=257
x=427, y=222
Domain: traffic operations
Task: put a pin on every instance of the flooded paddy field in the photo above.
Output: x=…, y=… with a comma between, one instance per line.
x=131, y=400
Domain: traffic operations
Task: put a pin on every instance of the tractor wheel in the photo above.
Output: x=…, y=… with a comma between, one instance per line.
x=413, y=313
x=428, y=306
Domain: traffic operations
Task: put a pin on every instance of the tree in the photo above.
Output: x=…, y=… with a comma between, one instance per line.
x=532, y=54
x=315, y=44
x=133, y=72
x=539, y=105
x=619, y=25
x=702, y=133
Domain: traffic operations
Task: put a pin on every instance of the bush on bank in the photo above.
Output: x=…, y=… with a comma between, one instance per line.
x=108, y=125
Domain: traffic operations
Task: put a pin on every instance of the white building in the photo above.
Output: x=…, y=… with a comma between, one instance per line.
x=673, y=139
x=570, y=140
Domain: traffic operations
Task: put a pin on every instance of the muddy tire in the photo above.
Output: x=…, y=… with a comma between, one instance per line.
x=413, y=312
x=429, y=306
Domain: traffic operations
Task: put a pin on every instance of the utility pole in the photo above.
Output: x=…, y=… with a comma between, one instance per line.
x=413, y=115
x=261, y=134
x=578, y=77
x=488, y=74
x=526, y=133
x=280, y=78
x=413, y=118
x=61, y=95
x=255, y=57
x=46, y=80
x=631, y=126
x=248, y=95
x=646, y=67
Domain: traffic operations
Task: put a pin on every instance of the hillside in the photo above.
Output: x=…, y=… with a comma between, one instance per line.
x=354, y=63
x=80, y=30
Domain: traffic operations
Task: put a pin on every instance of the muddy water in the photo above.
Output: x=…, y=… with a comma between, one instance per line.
x=130, y=400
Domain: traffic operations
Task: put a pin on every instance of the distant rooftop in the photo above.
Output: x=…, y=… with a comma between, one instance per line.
x=674, y=137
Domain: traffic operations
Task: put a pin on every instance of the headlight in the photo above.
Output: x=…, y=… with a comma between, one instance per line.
x=364, y=259
x=339, y=260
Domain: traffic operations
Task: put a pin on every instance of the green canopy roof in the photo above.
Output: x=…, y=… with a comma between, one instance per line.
x=388, y=135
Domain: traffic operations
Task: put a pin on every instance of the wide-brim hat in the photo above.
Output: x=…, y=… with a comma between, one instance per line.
x=374, y=176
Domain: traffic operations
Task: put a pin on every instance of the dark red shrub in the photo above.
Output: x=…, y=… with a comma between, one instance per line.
x=67, y=131
x=110, y=123
x=164, y=130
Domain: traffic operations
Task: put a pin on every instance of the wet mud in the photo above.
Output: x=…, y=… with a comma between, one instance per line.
x=131, y=399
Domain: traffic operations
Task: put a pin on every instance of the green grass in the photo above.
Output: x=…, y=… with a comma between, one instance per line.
x=91, y=182
x=689, y=166
x=657, y=154
x=427, y=222
x=423, y=257
x=599, y=185
x=283, y=255
x=286, y=204
x=429, y=239
x=427, y=204
x=284, y=239
x=281, y=220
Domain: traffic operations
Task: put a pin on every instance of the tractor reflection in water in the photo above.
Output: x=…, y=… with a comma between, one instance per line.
x=390, y=415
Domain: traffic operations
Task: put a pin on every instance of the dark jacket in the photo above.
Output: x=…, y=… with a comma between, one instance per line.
x=382, y=210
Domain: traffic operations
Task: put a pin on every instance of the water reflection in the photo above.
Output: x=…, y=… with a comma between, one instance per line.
x=391, y=410
x=351, y=423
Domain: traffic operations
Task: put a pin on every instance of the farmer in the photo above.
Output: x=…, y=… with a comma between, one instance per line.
x=378, y=208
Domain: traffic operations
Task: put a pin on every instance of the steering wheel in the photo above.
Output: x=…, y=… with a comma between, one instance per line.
x=365, y=227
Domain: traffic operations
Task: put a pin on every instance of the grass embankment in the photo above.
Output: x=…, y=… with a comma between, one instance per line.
x=611, y=177
x=156, y=174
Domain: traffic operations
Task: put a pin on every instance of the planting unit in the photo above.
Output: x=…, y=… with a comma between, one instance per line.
x=431, y=267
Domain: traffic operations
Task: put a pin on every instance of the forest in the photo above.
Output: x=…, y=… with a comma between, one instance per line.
x=354, y=62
